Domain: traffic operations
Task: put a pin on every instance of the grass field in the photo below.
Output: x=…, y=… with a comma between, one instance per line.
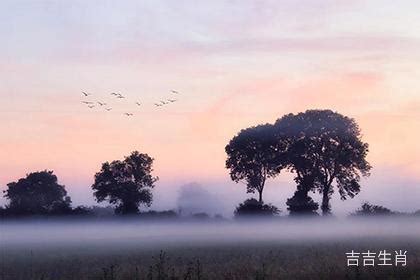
x=173, y=258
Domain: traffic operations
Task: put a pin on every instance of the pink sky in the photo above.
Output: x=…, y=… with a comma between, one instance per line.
x=236, y=64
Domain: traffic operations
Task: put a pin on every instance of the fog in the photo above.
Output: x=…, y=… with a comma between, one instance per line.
x=193, y=198
x=131, y=232
x=385, y=187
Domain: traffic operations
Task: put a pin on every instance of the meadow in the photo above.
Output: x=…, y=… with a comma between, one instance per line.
x=223, y=250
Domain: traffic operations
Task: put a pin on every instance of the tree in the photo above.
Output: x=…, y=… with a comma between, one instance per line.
x=127, y=183
x=250, y=157
x=252, y=207
x=38, y=193
x=324, y=148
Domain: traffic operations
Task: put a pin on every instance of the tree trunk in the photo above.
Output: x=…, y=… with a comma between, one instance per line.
x=326, y=209
x=260, y=196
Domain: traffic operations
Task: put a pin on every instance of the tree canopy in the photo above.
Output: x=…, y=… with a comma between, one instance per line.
x=127, y=183
x=368, y=209
x=37, y=193
x=250, y=157
x=324, y=149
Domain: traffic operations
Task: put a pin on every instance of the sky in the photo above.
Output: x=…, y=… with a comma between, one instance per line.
x=235, y=64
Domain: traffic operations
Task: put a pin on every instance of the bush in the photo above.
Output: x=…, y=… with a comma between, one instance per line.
x=368, y=209
x=301, y=204
x=252, y=207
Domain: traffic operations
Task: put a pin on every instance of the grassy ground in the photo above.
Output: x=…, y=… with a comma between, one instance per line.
x=258, y=260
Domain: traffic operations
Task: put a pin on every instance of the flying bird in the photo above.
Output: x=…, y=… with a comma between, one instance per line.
x=128, y=114
x=102, y=103
x=86, y=93
x=172, y=100
x=108, y=109
x=87, y=102
x=138, y=103
x=91, y=106
x=174, y=91
x=118, y=95
x=163, y=102
x=158, y=105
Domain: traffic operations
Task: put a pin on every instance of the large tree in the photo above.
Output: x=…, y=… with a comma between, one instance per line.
x=325, y=149
x=250, y=157
x=127, y=183
x=37, y=193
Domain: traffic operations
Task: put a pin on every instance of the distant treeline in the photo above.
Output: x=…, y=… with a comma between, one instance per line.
x=321, y=148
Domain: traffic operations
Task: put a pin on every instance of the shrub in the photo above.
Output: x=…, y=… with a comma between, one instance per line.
x=252, y=207
x=301, y=204
x=368, y=209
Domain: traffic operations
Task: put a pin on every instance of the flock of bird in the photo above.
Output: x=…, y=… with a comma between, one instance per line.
x=92, y=104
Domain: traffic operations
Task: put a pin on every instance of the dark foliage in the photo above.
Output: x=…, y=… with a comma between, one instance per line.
x=251, y=156
x=301, y=204
x=324, y=149
x=252, y=207
x=126, y=184
x=37, y=194
x=368, y=209
x=321, y=147
x=2, y=212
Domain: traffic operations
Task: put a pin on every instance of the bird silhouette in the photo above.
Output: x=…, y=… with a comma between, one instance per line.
x=108, y=109
x=118, y=95
x=138, y=103
x=102, y=103
x=158, y=105
x=87, y=102
x=172, y=100
x=174, y=91
x=128, y=114
x=91, y=106
x=163, y=102
x=86, y=93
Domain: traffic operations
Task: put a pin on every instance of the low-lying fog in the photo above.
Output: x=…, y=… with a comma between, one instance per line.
x=153, y=234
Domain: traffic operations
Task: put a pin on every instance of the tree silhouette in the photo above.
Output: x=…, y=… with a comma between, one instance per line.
x=127, y=183
x=250, y=157
x=301, y=203
x=324, y=149
x=252, y=207
x=38, y=193
x=368, y=209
